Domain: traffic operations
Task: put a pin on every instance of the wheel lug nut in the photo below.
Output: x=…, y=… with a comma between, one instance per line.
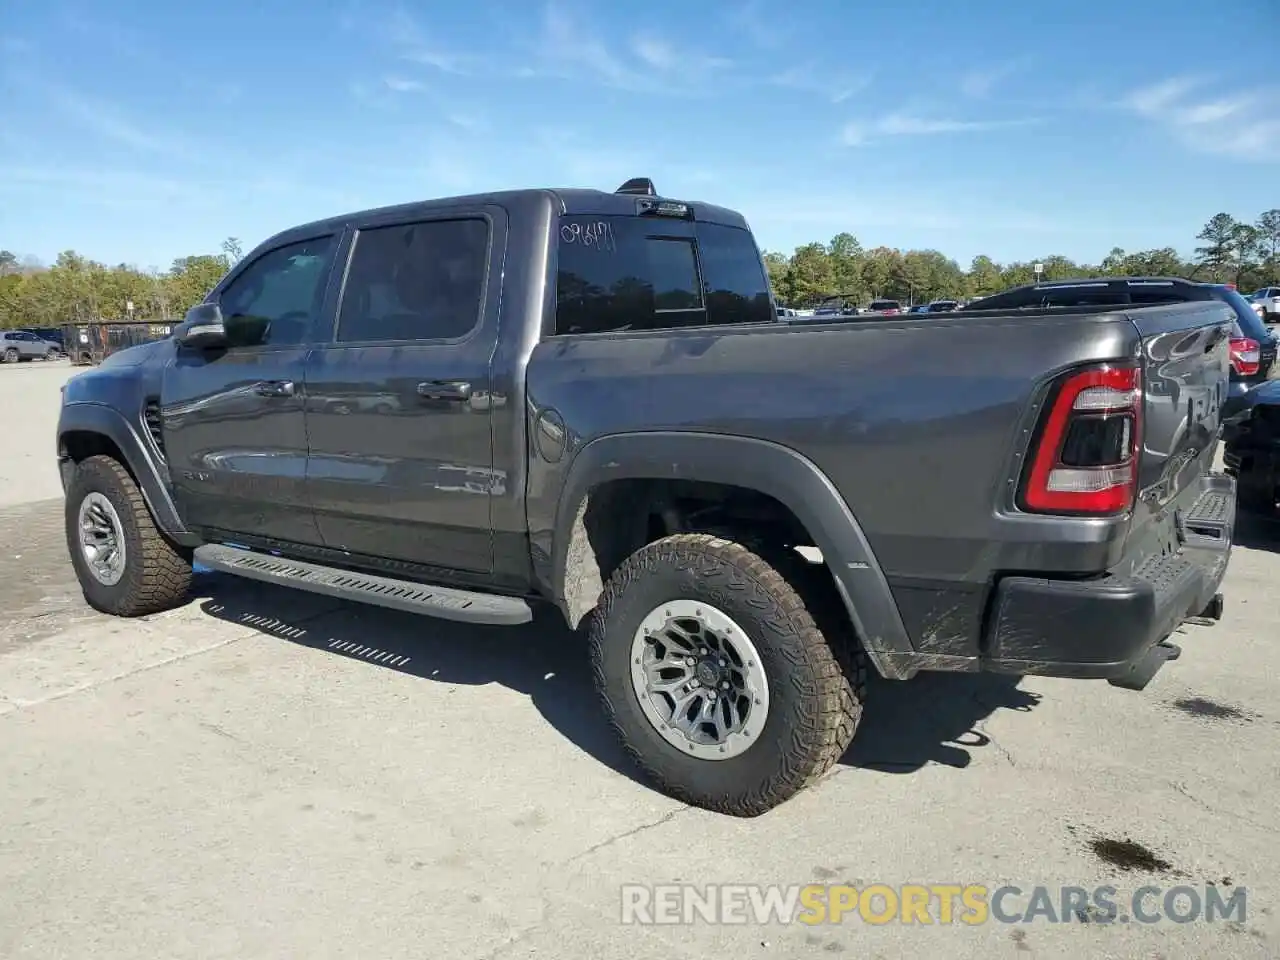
x=724, y=663
x=724, y=684
x=690, y=661
x=702, y=651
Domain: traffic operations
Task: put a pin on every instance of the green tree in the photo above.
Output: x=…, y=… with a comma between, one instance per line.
x=984, y=277
x=1221, y=236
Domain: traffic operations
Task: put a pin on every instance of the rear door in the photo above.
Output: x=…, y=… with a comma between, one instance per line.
x=400, y=397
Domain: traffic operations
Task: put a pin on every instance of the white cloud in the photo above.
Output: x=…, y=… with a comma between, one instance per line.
x=110, y=123
x=403, y=85
x=567, y=47
x=980, y=82
x=414, y=45
x=834, y=86
x=859, y=133
x=761, y=27
x=1242, y=124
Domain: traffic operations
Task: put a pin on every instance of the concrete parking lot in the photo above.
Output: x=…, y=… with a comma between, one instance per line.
x=266, y=773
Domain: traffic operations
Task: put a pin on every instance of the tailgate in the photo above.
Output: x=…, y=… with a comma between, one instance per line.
x=1186, y=369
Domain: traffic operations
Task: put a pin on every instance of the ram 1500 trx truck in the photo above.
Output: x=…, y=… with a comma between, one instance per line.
x=467, y=406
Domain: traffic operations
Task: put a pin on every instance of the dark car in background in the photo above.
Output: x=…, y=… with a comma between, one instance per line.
x=1253, y=346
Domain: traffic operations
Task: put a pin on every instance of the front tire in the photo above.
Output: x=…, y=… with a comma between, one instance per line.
x=693, y=613
x=124, y=564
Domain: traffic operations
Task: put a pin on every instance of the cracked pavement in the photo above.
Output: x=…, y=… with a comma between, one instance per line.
x=265, y=773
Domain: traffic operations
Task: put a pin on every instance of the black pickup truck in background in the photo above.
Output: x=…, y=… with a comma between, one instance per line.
x=1253, y=346
x=470, y=406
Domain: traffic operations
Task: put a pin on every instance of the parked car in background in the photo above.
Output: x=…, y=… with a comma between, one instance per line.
x=1251, y=449
x=19, y=346
x=943, y=306
x=1267, y=302
x=1253, y=346
x=886, y=307
x=52, y=334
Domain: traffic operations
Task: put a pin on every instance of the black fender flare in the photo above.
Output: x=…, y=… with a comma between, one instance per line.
x=761, y=465
x=142, y=460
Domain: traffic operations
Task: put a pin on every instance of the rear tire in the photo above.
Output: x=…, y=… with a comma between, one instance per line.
x=11, y=356
x=811, y=704
x=146, y=573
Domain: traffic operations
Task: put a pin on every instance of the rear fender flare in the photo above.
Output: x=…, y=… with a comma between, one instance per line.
x=140, y=458
x=761, y=465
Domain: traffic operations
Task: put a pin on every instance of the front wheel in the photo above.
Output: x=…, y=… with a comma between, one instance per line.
x=716, y=678
x=51, y=354
x=124, y=564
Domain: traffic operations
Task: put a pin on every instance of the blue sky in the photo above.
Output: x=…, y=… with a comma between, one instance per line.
x=142, y=131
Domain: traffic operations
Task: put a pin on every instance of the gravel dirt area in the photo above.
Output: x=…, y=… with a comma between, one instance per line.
x=265, y=773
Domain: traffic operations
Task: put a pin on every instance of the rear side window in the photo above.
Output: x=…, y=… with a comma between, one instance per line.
x=633, y=273
x=415, y=281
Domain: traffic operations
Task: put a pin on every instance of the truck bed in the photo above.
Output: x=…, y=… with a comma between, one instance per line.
x=921, y=424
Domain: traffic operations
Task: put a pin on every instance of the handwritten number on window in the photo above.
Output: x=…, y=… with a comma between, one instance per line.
x=597, y=235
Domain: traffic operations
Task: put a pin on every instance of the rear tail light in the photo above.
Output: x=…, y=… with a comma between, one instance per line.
x=1246, y=355
x=1085, y=458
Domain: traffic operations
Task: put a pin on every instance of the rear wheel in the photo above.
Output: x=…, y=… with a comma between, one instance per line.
x=124, y=564
x=716, y=677
x=11, y=356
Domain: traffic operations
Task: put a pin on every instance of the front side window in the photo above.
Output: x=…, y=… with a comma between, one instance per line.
x=415, y=281
x=276, y=300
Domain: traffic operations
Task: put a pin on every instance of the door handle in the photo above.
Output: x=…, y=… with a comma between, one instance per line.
x=444, y=390
x=274, y=388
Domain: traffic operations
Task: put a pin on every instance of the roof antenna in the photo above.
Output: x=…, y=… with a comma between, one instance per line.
x=639, y=186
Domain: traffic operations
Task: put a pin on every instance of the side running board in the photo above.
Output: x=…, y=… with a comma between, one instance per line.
x=444, y=602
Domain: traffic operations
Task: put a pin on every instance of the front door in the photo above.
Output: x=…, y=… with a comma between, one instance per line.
x=234, y=421
x=401, y=464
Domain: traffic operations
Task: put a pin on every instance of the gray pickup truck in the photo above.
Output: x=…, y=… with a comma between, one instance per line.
x=470, y=406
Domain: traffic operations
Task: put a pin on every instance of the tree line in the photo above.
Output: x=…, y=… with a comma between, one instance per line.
x=1230, y=251
x=75, y=288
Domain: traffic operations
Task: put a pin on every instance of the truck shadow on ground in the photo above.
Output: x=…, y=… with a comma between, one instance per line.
x=1256, y=531
x=907, y=725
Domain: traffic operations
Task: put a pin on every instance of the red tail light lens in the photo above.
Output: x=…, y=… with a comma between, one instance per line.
x=1246, y=355
x=1086, y=457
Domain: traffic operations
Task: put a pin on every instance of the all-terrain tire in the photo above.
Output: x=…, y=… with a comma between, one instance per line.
x=816, y=689
x=157, y=574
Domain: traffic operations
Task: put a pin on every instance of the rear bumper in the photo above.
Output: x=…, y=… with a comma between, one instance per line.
x=1114, y=627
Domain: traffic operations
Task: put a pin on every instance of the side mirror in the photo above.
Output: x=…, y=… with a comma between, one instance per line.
x=202, y=328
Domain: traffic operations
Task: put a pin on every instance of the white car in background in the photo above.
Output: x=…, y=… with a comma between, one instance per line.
x=19, y=345
x=1267, y=304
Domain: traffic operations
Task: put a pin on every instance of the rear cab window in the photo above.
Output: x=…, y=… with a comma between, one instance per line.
x=628, y=273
